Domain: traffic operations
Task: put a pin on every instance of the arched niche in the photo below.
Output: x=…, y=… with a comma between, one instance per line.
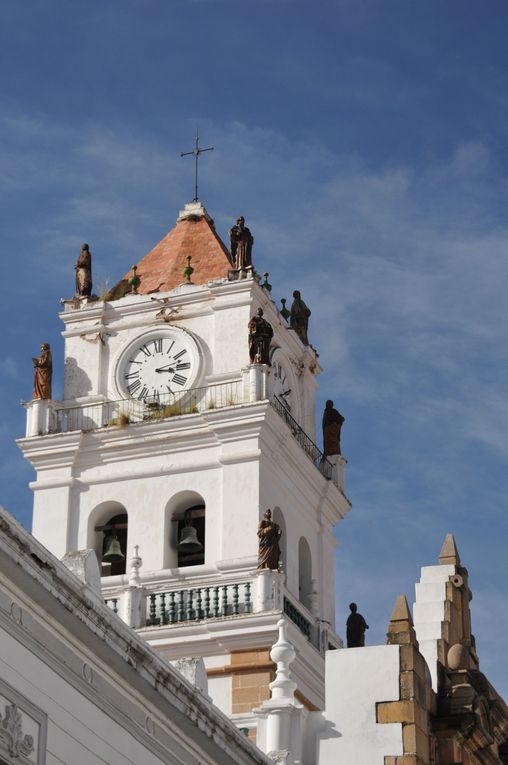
x=187, y=508
x=304, y=573
x=278, y=518
x=108, y=529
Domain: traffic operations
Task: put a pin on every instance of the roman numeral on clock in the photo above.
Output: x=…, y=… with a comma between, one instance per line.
x=131, y=375
x=183, y=365
x=157, y=345
x=179, y=379
x=144, y=393
x=179, y=354
x=145, y=350
x=134, y=386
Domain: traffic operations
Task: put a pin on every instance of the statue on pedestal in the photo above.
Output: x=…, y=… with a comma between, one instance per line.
x=83, y=269
x=332, y=424
x=299, y=317
x=43, y=366
x=355, y=628
x=241, y=241
x=269, y=535
x=260, y=336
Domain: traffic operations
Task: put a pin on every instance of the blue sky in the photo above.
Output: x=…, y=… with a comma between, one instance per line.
x=365, y=143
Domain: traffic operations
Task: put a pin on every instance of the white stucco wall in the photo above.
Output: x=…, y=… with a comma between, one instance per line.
x=356, y=679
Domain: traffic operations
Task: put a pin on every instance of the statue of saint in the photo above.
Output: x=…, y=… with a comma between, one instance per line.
x=355, y=628
x=43, y=372
x=241, y=245
x=299, y=317
x=269, y=535
x=260, y=336
x=332, y=423
x=83, y=270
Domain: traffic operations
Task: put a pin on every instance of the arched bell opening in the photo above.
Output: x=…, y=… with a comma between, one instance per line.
x=278, y=518
x=107, y=535
x=186, y=530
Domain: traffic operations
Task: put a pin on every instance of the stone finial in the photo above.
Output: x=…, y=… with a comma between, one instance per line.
x=400, y=628
x=134, y=281
x=282, y=654
x=284, y=312
x=449, y=555
x=188, y=270
x=135, y=565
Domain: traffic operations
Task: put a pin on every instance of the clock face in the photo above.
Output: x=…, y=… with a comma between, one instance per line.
x=157, y=364
x=284, y=382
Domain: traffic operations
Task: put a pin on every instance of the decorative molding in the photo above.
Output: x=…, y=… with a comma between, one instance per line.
x=11, y=732
x=279, y=756
x=13, y=741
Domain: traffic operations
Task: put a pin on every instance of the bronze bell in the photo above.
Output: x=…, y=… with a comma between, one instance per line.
x=113, y=550
x=189, y=541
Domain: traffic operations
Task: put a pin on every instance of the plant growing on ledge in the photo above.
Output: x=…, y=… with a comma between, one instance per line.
x=122, y=421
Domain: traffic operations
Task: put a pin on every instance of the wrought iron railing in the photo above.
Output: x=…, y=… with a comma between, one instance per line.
x=307, y=444
x=197, y=603
x=148, y=409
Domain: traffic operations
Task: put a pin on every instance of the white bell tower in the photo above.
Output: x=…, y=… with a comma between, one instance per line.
x=167, y=434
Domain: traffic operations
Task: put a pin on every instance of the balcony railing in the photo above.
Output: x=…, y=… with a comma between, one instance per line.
x=198, y=603
x=307, y=444
x=218, y=600
x=150, y=409
x=48, y=417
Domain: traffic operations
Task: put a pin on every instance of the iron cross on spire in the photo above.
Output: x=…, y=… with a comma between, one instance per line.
x=196, y=152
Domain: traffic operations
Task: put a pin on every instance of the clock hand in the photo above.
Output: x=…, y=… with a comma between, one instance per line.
x=165, y=369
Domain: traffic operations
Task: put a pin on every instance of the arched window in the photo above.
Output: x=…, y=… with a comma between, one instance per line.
x=185, y=515
x=304, y=572
x=108, y=536
x=278, y=518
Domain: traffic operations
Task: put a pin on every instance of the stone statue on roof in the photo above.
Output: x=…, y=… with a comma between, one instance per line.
x=355, y=628
x=299, y=317
x=332, y=424
x=43, y=367
x=241, y=241
x=83, y=270
x=269, y=534
x=260, y=336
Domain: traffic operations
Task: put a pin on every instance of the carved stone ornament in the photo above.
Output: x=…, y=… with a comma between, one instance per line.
x=11, y=733
x=279, y=757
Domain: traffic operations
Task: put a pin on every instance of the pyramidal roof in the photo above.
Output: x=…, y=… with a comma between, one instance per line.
x=162, y=269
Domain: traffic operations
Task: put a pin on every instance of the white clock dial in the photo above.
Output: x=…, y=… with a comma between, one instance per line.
x=283, y=383
x=158, y=364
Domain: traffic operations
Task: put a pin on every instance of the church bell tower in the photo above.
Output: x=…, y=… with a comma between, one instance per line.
x=174, y=436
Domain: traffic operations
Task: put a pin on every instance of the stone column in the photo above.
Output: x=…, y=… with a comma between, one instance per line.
x=268, y=593
x=41, y=417
x=280, y=719
x=338, y=472
x=255, y=382
x=133, y=600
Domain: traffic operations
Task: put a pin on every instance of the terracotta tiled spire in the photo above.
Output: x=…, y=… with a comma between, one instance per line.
x=194, y=234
